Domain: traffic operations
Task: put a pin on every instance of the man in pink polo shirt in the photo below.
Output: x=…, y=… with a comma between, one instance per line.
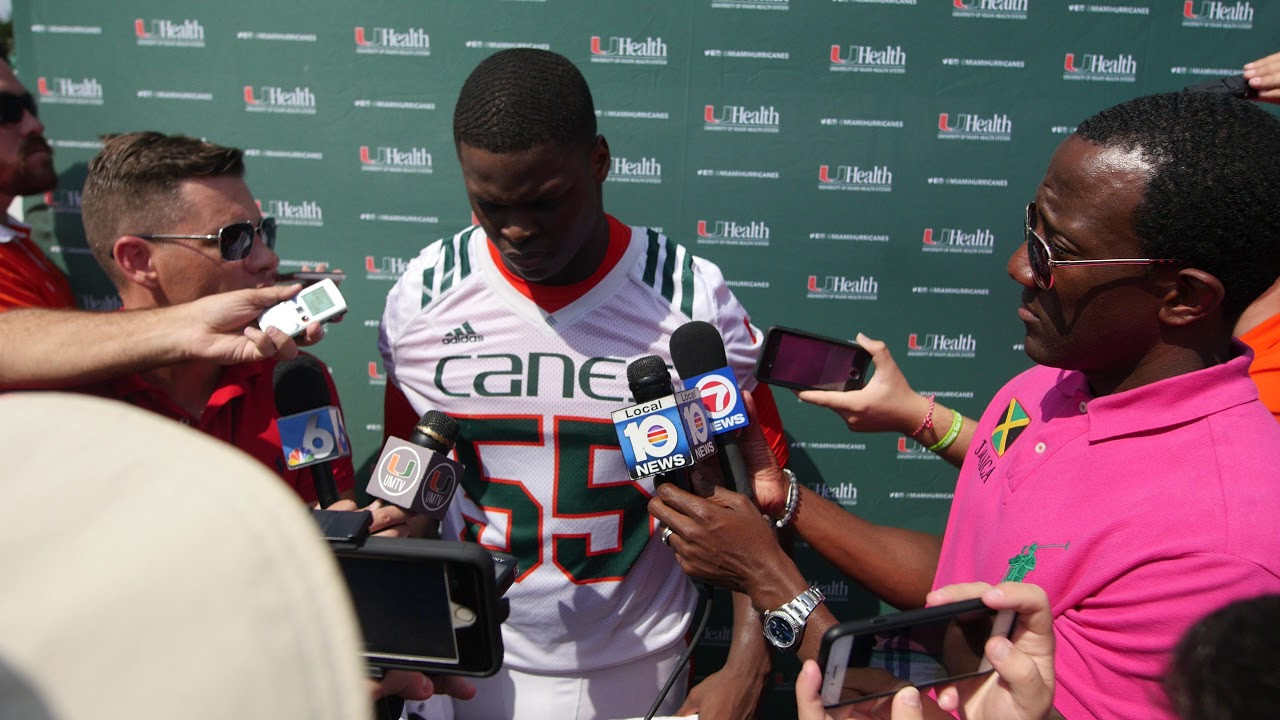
x=1132, y=472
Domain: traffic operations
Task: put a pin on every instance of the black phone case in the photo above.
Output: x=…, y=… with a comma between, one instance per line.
x=486, y=650
x=894, y=621
x=768, y=349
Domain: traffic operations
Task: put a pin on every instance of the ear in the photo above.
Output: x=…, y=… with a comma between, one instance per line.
x=1194, y=296
x=135, y=261
x=600, y=159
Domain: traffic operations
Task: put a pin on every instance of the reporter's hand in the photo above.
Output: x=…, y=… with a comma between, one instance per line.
x=1263, y=75
x=388, y=520
x=1022, y=686
x=412, y=685
x=767, y=481
x=722, y=539
x=223, y=328
x=886, y=403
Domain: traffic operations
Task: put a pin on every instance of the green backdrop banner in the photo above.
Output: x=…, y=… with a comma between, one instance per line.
x=852, y=165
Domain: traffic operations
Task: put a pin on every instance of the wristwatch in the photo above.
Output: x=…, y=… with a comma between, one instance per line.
x=785, y=626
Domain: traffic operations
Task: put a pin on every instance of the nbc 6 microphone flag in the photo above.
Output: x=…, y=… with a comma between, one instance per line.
x=311, y=437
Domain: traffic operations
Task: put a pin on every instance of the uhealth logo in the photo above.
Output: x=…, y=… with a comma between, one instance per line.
x=397, y=160
x=740, y=118
x=971, y=126
x=628, y=51
x=386, y=267
x=63, y=201
x=66, y=91
x=868, y=59
x=954, y=240
x=168, y=33
x=389, y=41
x=992, y=9
x=1100, y=68
x=1232, y=16
x=840, y=287
x=852, y=177
x=729, y=232
x=645, y=170
x=276, y=99
x=940, y=345
x=305, y=212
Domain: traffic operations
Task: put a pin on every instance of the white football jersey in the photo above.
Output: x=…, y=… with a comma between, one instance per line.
x=545, y=477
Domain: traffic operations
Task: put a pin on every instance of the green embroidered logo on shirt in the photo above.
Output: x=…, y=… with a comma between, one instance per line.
x=1024, y=562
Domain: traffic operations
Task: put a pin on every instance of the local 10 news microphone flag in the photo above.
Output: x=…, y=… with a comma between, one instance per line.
x=668, y=433
x=417, y=474
x=697, y=350
x=311, y=430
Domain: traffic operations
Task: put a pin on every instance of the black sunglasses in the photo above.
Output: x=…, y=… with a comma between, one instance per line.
x=12, y=106
x=1040, y=254
x=235, y=241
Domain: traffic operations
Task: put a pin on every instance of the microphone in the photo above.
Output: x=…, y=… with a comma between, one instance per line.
x=311, y=430
x=417, y=474
x=697, y=350
x=649, y=379
x=665, y=430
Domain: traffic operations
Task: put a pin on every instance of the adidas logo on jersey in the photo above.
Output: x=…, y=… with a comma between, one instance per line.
x=464, y=334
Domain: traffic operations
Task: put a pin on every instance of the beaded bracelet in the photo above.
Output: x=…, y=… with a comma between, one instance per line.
x=793, y=500
x=957, y=420
x=927, y=422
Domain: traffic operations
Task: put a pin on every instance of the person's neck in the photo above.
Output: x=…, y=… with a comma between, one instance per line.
x=189, y=384
x=1161, y=362
x=589, y=259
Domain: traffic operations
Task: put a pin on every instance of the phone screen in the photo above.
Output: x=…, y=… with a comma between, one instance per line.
x=404, y=607
x=876, y=663
x=807, y=362
x=317, y=301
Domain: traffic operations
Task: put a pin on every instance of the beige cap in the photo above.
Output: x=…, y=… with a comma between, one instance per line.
x=147, y=570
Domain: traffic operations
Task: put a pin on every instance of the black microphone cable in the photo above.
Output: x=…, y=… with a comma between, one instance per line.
x=704, y=602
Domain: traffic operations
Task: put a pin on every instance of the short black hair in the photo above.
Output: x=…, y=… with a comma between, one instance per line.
x=1210, y=201
x=1227, y=666
x=522, y=97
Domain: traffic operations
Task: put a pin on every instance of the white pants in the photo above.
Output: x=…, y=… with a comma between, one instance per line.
x=612, y=693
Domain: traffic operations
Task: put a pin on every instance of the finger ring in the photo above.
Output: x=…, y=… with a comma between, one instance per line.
x=666, y=536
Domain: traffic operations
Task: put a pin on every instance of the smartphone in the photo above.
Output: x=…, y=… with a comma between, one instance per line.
x=318, y=303
x=426, y=605
x=804, y=361
x=872, y=658
x=1235, y=86
x=309, y=276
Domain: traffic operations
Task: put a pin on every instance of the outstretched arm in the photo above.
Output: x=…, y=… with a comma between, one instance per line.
x=47, y=348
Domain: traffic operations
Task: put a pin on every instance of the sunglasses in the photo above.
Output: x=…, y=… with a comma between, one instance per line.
x=235, y=241
x=1040, y=254
x=12, y=106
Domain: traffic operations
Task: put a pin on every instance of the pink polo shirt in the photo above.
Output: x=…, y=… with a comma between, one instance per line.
x=1138, y=513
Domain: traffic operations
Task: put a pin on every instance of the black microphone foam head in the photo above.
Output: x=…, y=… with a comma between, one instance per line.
x=696, y=348
x=648, y=378
x=646, y=367
x=299, y=385
x=445, y=426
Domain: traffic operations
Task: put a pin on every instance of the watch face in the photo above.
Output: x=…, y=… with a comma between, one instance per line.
x=780, y=632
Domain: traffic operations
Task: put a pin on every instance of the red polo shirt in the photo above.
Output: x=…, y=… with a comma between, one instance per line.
x=27, y=277
x=241, y=411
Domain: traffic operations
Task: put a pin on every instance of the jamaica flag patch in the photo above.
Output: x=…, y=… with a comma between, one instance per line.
x=1015, y=421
